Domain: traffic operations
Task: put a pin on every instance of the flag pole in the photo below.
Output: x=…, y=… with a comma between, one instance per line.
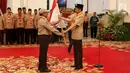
x=99, y=65
x=64, y=37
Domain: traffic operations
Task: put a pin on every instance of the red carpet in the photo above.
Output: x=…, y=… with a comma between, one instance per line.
x=113, y=61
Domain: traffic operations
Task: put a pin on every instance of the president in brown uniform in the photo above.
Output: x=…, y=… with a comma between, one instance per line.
x=44, y=29
x=77, y=35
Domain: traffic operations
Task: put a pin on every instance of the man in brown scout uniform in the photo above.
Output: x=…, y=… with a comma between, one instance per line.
x=77, y=36
x=9, y=25
x=44, y=28
x=19, y=25
x=1, y=29
x=29, y=27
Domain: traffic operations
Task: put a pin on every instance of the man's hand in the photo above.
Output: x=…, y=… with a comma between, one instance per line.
x=60, y=18
x=63, y=35
x=64, y=32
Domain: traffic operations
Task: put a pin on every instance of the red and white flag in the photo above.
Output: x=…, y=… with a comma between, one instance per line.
x=54, y=11
x=54, y=16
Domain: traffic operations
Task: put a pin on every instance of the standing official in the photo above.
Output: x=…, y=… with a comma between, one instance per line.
x=1, y=29
x=94, y=24
x=29, y=27
x=9, y=25
x=77, y=36
x=85, y=29
x=44, y=28
x=19, y=25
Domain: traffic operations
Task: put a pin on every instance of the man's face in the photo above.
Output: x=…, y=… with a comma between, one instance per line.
x=86, y=13
x=19, y=11
x=35, y=12
x=45, y=14
x=94, y=14
x=77, y=10
x=9, y=10
x=30, y=12
x=24, y=10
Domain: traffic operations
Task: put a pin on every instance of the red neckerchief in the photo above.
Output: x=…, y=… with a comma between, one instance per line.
x=9, y=18
x=20, y=18
x=30, y=20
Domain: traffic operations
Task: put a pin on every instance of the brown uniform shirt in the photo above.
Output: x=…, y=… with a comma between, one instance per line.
x=19, y=20
x=71, y=17
x=29, y=22
x=1, y=23
x=8, y=20
x=44, y=27
x=77, y=32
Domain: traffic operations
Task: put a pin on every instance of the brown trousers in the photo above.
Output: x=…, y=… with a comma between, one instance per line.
x=44, y=41
x=78, y=52
x=9, y=36
x=85, y=29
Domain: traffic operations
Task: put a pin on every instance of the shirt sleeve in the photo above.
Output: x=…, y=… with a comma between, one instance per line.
x=79, y=20
x=91, y=20
x=97, y=19
x=4, y=20
x=71, y=16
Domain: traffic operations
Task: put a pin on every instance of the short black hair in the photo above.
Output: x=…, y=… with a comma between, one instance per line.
x=94, y=12
x=8, y=8
x=39, y=9
x=106, y=12
x=24, y=8
x=86, y=11
x=35, y=9
x=19, y=9
x=29, y=9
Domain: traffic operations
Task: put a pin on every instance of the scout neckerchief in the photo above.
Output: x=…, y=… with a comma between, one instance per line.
x=30, y=19
x=77, y=15
x=20, y=18
x=8, y=18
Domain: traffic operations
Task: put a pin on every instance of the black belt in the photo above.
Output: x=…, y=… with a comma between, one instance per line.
x=44, y=35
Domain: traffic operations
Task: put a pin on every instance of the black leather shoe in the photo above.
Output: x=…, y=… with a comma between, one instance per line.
x=45, y=70
x=78, y=68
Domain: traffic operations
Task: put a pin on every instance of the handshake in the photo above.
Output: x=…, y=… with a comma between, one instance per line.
x=62, y=33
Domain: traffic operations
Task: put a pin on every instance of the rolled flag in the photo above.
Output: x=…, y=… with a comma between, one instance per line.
x=1, y=12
